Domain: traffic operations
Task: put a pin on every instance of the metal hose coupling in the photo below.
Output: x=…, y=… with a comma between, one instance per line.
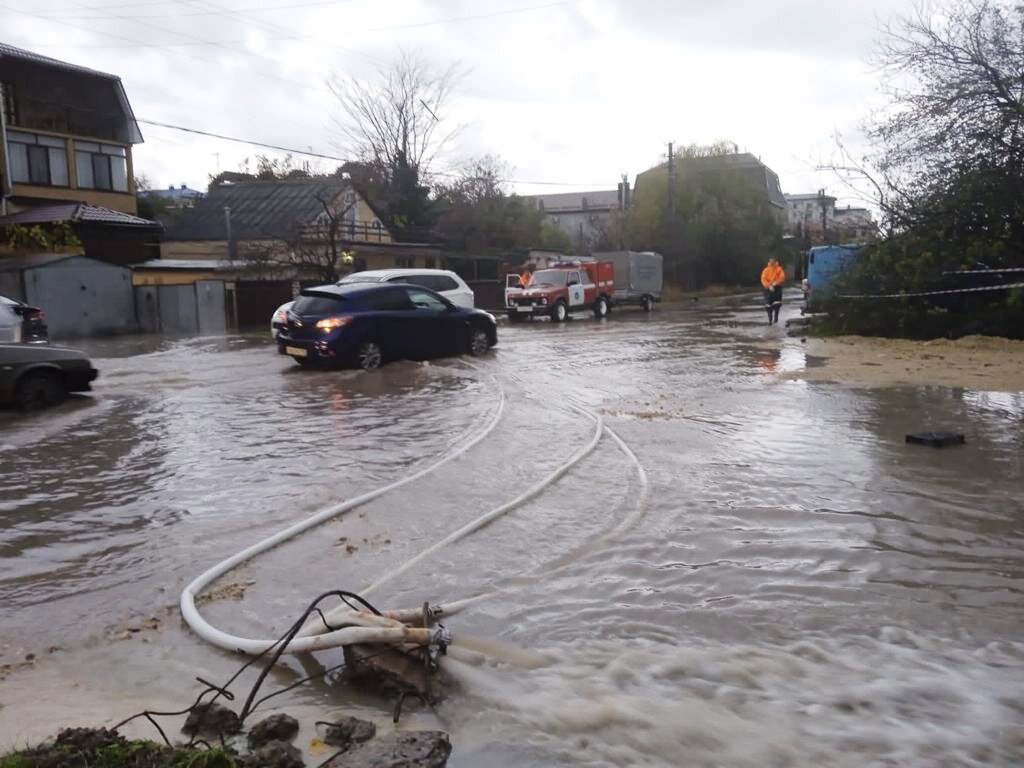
x=440, y=639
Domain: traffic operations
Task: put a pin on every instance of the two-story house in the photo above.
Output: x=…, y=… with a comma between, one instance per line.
x=66, y=137
x=69, y=134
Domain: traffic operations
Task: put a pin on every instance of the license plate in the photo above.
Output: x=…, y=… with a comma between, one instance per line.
x=296, y=351
x=524, y=309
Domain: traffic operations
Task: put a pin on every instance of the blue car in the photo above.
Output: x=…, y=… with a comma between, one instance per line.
x=368, y=324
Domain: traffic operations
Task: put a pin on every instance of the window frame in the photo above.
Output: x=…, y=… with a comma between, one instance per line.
x=102, y=155
x=47, y=146
x=431, y=295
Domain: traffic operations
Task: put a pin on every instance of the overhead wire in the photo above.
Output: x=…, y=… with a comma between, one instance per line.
x=229, y=49
x=323, y=156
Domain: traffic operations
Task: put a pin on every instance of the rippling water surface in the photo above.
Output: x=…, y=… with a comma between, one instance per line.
x=803, y=588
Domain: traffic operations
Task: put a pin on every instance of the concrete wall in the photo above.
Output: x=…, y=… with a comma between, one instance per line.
x=10, y=285
x=82, y=297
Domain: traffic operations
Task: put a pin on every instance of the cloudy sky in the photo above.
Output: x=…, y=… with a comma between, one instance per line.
x=573, y=94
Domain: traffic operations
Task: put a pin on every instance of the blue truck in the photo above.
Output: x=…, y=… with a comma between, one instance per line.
x=825, y=263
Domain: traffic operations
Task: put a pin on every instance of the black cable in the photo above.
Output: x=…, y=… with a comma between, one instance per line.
x=278, y=648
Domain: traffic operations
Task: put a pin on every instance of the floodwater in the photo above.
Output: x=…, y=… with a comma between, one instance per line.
x=802, y=588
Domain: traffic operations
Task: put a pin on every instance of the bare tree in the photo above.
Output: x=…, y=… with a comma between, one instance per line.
x=398, y=120
x=954, y=77
x=312, y=249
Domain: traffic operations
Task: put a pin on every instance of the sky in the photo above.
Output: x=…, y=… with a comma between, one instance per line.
x=572, y=95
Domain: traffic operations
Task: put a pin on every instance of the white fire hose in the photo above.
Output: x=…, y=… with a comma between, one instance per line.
x=350, y=627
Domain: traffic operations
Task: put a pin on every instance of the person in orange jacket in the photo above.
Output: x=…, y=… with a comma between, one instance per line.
x=524, y=278
x=772, y=278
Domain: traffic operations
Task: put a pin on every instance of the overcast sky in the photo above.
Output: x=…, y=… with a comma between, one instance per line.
x=571, y=93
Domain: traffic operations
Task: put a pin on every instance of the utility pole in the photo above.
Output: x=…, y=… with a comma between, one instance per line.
x=5, y=187
x=672, y=209
x=227, y=232
x=824, y=216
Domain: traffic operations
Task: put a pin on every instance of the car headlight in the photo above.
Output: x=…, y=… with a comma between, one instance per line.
x=544, y=300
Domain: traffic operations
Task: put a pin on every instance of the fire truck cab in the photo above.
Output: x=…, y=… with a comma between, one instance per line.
x=564, y=288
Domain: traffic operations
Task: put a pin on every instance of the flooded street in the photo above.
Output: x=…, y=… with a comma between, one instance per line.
x=798, y=587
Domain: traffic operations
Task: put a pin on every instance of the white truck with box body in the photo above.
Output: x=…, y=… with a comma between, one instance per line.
x=638, y=277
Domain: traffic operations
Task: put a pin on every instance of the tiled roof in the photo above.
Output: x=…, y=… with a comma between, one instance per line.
x=77, y=212
x=10, y=52
x=260, y=210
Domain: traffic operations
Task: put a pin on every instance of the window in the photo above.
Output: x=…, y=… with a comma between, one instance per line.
x=317, y=304
x=40, y=160
x=444, y=283
x=424, y=281
x=427, y=301
x=389, y=300
x=574, y=278
x=101, y=166
x=429, y=262
x=405, y=262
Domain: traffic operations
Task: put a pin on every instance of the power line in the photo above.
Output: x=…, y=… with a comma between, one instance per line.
x=309, y=4
x=287, y=7
x=475, y=17
x=224, y=137
x=201, y=41
x=322, y=156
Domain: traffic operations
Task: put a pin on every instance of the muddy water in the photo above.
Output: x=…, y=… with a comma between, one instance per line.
x=802, y=589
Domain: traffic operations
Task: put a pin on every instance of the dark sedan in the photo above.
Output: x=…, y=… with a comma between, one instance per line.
x=38, y=376
x=368, y=324
x=21, y=322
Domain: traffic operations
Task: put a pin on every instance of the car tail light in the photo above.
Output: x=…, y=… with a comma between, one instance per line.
x=329, y=324
x=280, y=316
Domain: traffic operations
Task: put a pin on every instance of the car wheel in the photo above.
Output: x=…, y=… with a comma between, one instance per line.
x=646, y=304
x=40, y=390
x=370, y=355
x=601, y=307
x=479, y=342
x=559, y=312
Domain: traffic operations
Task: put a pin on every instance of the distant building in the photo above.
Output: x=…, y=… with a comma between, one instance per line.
x=855, y=225
x=745, y=164
x=67, y=135
x=583, y=216
x=814, y=219
x=176, y=197
x=809, y=215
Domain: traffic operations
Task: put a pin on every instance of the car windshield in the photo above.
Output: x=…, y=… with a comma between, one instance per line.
x=317, y=304
x=554, y=277
x=359, y=278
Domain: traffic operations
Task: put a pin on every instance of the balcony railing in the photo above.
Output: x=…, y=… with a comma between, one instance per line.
x=360, y=232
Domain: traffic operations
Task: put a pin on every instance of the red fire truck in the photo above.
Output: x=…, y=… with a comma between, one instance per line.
x=564, y=288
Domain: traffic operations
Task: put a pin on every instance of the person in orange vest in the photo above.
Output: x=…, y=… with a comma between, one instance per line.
x=772, y=278
x=524, y=278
